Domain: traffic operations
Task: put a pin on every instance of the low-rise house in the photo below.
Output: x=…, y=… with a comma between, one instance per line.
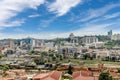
x=67, y=51
x=55, y=75
x=82, y=75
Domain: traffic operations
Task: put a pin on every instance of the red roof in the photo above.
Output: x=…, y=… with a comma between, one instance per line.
x=83, y=78
x=113, y=74
x=40, y=76
x=76, y=74
x=82, y=75
x=85, y=73
x=55, y=75
x=3, y=78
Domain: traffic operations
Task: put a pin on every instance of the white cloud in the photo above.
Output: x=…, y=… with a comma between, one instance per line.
x=61, y=7
x=114, y=15
x=46, y=23
x=12, y=23
x=94, y=13
x=34, y=15
x=11, y=8
x=96, y=29
x=93, y=29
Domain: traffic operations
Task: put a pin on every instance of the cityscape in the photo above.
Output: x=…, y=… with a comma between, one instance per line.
x=74, y=57
x=59, y=40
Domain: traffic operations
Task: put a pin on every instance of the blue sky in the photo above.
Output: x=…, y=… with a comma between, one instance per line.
x=46, y=19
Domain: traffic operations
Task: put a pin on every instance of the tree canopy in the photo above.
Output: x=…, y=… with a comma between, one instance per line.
x=105, y=76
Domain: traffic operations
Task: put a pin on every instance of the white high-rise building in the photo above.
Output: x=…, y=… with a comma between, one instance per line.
x=37, y=43
x=33, y=43
x=21, y=43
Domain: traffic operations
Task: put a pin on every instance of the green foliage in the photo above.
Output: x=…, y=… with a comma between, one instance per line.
x=103, y=38
x=0, y=56
x=118, y=71
x=92, y=47
x=39, y=61
x=44, y=53
x=75, y=55
x=105, y=76
x=70, y=69
x=4, y=68
x=61, y=57
x=112, y=44
x=51, y=55
x=53, y=58
x=34, y=52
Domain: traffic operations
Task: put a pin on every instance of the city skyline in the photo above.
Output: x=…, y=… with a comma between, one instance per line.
x=47, y=19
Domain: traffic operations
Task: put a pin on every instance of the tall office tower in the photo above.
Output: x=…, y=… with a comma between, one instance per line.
x=11, y=43
x=33, y=43
x=110, y=33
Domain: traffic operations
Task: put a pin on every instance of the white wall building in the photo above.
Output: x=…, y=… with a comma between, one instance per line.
x=37, y=43
x=89, y=39
x=49, y=44
x=9, y=43
x=115, y=37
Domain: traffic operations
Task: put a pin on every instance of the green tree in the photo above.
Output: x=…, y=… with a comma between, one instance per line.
x=85, y=56
x=51, y=55
x=61, y=57
x=53, y=58
x=0, y=56
x=44, y=53
x=105, y=76
x=4, y=68
x=39, y=61
x=70, y=69
x=75, y=55
x=118, y=71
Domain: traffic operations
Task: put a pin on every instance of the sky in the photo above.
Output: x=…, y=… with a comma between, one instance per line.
x=48, y=19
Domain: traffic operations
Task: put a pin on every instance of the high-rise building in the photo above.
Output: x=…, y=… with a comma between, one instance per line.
x=37, y=43
x=11, y=43
x=110, y=33
x=21, y=43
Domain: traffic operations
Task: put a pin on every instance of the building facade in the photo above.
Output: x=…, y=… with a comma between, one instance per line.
x=89, y=40
x=115, y=37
